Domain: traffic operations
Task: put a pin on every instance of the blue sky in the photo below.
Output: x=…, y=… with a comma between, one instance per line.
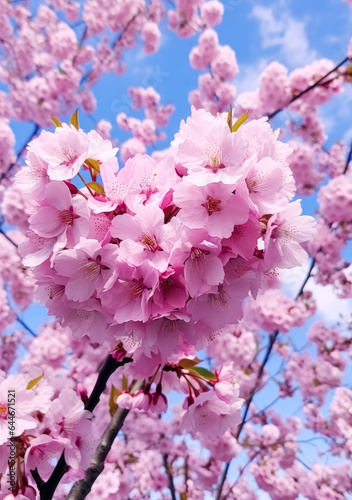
x=293, y=32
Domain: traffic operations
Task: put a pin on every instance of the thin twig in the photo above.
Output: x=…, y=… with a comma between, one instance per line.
x=21, y=322
x=33, y=134
x=308, y=89
x=241, y=472
x=118, y=39
x=349, y=157
x=8, y=238
x=272, y=339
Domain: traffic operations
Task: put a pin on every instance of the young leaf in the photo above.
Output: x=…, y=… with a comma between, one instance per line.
x=229, y=118
x=74, y=120
x=112, y=400
x=95, y=186
x=94, y=164
x=33, y=383
x=240, y=121
x=203, y=372
x=188, y=363
x=56, y=122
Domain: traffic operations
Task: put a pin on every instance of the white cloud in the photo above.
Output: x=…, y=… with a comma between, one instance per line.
x=285, y=32
x=330, y=308
x=248, y=77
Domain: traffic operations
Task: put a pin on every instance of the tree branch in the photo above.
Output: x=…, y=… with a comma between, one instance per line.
x=10, y=240
x=82, y=488
x=349, y=157
x=33, y=134
x=108, y=368
x=47, y=489
x=170, y=477
x=272, y=339
x=21, y=322
x=308, y=89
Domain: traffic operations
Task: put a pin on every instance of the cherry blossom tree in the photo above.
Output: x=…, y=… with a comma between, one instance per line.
x=175, y=361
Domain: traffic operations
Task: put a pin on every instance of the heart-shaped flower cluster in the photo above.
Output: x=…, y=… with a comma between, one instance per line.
x=159, y=256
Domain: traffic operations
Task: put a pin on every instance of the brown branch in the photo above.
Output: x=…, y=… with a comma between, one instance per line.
x=170, y=477
x=308, y=89
x=82, y=488
x=118, y=39
x=108, y=368
x=47, y=489
x=272, y=339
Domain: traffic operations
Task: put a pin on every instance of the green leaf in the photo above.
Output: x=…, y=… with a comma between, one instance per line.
x=33, y=383
x=229, y=118
x=56, y=122
x=203, y=372
x=240, y=121
x=94, y=164
x=188, y=363
x=124, y=383
x=112, y=400
x=95, y=186
x=74, y=120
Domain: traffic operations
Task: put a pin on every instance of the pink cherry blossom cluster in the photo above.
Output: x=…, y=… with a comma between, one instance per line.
x=45, y=426
x=215, y=92
x=171, y=254
x=334, y=162
x=191, y=16
x=8, y=350
x=316, y=376
x=159, y=256
x=335, y=199
x=274, y=311
x=141, y=18
x=303, y=162
x=326, y=248
x=277, y=89
x=48, y=65
x=7, y=143
x=145, y=132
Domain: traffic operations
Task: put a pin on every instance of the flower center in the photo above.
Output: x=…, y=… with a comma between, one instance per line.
x=66, y=217
x=168, y=285
x=3, y=410
x=91, y=270
x=198, y=258
x=212, y=205
x=220, y=300
x=68, y=155
x=148, y=186
x=149, y=242
x=213, y=155
x=136, y=289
